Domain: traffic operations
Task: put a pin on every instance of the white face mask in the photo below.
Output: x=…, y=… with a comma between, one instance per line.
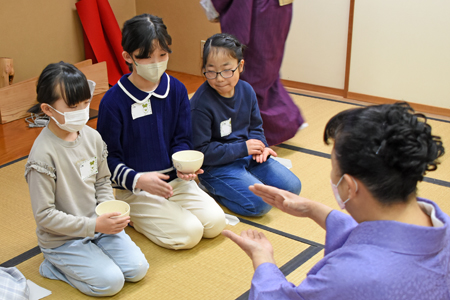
x=151, y=72
x=73, y=120
x=334, y=187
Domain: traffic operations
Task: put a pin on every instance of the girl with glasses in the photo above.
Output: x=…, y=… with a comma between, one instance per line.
x=227, y=128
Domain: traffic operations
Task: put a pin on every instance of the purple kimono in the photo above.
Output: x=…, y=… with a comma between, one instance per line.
x=370, y=260
x=263, y=26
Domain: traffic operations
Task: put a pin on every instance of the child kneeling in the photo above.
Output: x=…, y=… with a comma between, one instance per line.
x=68, y=175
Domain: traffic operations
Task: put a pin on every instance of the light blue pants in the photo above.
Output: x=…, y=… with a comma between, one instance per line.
x=96, y=266
x=229, y=183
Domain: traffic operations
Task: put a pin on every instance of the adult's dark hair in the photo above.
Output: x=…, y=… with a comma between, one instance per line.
x=223, y=41
x=141, y=32
x=388, y=147
x=61, y=80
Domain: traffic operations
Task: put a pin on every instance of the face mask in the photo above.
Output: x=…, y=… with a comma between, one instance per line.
x=73, y=120
x=334, y=187
x=151, y=72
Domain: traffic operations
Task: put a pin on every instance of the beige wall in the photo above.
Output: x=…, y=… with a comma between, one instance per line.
x=317, y=43
x=36, y=33
x=187, y=24
x=401, y=50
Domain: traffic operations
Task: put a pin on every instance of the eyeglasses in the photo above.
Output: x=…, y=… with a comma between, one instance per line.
x=225, y=73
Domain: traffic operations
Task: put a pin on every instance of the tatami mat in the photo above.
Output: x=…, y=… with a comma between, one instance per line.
x=216, y=268
x=17, y=223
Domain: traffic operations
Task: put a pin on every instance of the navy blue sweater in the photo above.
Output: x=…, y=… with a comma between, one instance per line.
x=209, y=110
x=146, y=143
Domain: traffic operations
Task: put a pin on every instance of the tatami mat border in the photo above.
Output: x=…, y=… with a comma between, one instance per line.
x=291, y=265
x=13, y=162
x=326, y=155
x=304, y=150
x=356, y=104
x=290, y=236
x=21, y=258
x=294, y=263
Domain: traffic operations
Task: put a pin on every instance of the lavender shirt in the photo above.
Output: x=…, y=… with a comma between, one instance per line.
x=371, y=260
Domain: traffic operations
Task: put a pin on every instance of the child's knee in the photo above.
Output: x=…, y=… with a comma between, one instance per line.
x=261, y=210
x=190, y=232
x=108, y=283
x=137, y=271
x=193, y=233
x=295, y=185
x=257, y=210
x=216, y=223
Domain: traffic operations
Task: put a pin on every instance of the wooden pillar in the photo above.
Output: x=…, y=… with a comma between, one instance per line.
x=6, y=71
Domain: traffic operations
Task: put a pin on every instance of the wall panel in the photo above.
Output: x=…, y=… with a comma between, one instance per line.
x=317, y=43
x=401, y=50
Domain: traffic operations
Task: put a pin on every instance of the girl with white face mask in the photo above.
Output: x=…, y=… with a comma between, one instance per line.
x=144, y=119
x=68, y=176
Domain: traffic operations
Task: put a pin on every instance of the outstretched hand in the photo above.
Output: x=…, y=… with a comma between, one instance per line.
x=255, y=245
x=293, y=204
x=285, y=201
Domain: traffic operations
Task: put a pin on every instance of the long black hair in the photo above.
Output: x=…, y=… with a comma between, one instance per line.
x=388, y=147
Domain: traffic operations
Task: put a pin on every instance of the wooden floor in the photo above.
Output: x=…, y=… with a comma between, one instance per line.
x=16, y=138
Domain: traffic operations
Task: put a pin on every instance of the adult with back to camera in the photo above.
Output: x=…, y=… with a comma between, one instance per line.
x=393, y=245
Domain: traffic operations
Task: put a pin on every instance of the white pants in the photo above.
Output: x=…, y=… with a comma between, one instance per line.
x=178, y=222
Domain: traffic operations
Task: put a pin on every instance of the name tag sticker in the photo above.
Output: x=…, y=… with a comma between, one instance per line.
x=225, y=127
x=139, y=110
x=88, y=168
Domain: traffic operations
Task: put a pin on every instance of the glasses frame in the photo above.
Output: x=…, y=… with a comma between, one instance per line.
x=217, y=73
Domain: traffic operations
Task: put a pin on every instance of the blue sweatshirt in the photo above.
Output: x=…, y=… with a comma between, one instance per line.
x=147, y=142
x=221, y=126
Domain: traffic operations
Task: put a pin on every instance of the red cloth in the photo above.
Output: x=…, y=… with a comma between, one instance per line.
x=102, y=36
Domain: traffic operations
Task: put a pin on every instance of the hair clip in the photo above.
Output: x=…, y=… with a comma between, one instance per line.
x=378, y=150
x=381, y=145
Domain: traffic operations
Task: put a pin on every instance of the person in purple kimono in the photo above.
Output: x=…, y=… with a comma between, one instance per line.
x=263, y=26
x=393, y=245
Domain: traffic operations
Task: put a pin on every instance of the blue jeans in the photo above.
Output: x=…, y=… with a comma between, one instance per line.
x=96, y=266
x=229, y=183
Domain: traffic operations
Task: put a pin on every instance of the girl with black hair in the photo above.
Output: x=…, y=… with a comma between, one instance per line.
x=393, y=245
x=68, y=176
x=144, y=119
x=227, y=128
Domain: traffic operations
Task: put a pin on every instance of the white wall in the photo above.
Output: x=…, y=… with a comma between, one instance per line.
x=317, y=43
x=401, y=50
